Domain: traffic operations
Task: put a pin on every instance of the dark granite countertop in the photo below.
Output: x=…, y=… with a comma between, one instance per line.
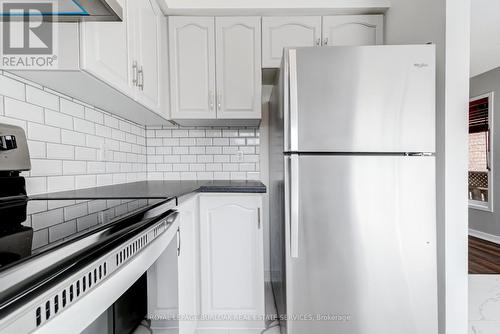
x=155, y=190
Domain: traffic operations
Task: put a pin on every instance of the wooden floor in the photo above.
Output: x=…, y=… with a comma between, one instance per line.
x=484, y=256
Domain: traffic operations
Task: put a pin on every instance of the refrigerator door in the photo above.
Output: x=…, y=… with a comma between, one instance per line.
x=362, y=99
x=362, y=256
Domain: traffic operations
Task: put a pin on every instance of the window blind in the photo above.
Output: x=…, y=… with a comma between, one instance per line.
x=478, y=115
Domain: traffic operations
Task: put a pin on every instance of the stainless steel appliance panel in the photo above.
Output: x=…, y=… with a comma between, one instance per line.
x=362, y=99
x=364, y=244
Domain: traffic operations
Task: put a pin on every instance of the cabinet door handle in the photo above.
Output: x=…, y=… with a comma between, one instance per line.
x=140, y=78
x=318, y=42
x=326, y=41
x=134, y=73
x=258, y=218
x=178, y=241
x=211, y=98
x=219, y=101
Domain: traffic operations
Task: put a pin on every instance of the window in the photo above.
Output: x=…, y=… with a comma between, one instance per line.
x=480, y=152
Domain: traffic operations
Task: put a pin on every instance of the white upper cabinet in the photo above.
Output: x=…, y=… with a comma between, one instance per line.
x=192, y=67
x=107, y=53
x=281, y=31
x=353, y=30
x=120, y=67
x=239, y=77
x=147, y=58
x=199, y=92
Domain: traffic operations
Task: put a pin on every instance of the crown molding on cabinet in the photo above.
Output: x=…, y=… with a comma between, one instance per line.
x=273, y=7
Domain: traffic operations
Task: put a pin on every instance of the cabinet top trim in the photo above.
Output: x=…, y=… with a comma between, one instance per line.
x=274, y=8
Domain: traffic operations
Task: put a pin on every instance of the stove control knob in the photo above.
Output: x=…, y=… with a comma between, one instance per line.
x=7, y=143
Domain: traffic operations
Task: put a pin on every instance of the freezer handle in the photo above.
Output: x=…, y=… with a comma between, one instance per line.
x=294, y=214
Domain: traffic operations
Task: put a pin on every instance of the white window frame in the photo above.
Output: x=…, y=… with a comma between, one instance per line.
x=478, y=205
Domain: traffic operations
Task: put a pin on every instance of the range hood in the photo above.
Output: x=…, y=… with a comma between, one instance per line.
x=71, y=10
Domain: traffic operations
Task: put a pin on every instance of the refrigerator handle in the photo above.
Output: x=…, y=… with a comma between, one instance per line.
x=294, y=134
x=294, y=206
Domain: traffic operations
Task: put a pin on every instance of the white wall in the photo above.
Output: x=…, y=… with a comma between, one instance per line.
x=445, y=23
x=485, y=41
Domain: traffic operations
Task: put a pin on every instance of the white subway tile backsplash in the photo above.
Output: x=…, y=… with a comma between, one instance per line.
x=43, y=167
x=61, y=152
x=85, y=153
x=214, y=133
x=44, y=133
x=84, y=126
x=85, y=181
x=187, y=141
x=72, y=138
x=58, y=119
x=96, y=167
x=230, y=133
x=71, y=108
x=37, y=149
x=221, y=141
x=180, y=150
x=60, y=183
x=12, y=88
x=41, y=98
x=103, y=131
x=111, y=122
x=36, y=185
x=94, y=116
x=188, y=158
x=74, y=167
x=94, y=141
x=74, y=145
x=23, y=110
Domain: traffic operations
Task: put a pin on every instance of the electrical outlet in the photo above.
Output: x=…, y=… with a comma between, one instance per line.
x=239, y=156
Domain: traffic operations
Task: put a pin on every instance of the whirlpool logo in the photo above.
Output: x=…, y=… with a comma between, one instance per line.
x=421, y=65
x=28, y=35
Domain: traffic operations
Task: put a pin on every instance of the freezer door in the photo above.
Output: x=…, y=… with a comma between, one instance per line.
x=362, y=99
x=362, y=258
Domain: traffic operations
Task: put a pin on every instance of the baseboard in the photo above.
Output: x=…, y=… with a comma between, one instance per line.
x=484, y=236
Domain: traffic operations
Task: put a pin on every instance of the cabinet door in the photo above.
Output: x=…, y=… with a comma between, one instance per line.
x=105, y=51
x=280, y=32
x=232, y=268
x=147, y=46
x=239, y=71
x=189, y=273
x=353, y=30
x=192, y=67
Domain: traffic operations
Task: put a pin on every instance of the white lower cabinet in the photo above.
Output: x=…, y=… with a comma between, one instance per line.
x=213, y=277
x=232, y=261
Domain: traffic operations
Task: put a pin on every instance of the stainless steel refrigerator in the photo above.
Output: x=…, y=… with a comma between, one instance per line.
x=352, y=169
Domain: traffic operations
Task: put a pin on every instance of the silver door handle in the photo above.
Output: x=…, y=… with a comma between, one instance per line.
x=292, y=213
x=326, y=41
x=318, y=42
x=211, y=98
x=140, y=78
x=219, y=101
x=134, y=73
